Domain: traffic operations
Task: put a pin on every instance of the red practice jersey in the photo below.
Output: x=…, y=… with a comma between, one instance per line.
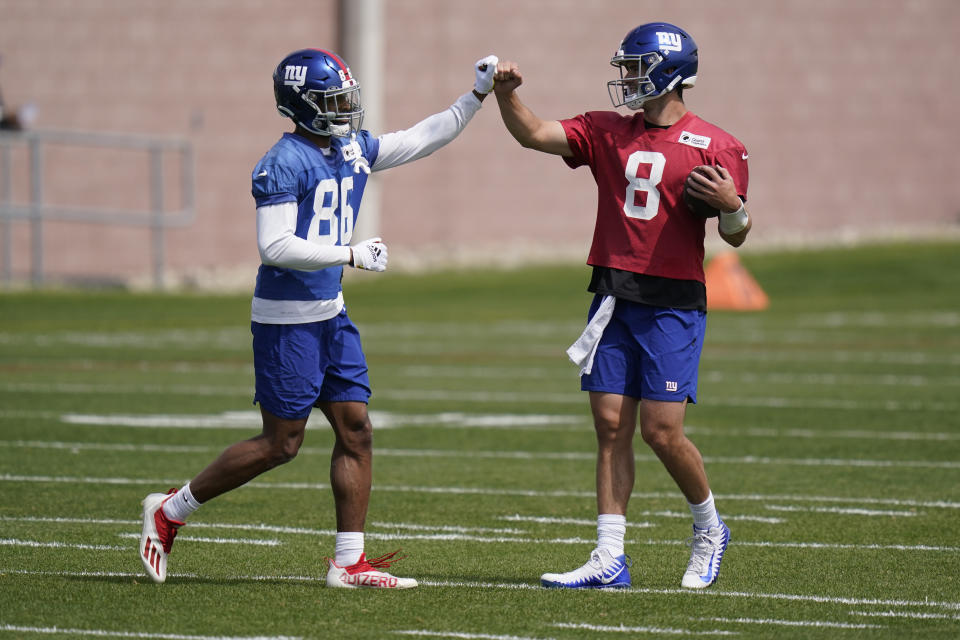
x=643, y=224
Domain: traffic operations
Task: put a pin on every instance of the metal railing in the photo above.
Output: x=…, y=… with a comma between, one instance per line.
x=36, y=212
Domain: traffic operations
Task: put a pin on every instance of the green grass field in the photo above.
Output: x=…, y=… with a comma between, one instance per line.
x=829, y=426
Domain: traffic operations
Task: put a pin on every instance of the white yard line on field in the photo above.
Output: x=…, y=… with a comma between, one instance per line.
x=819, y=434
x=267, y=528
x=75, y=447
x=388, y=419
x=792, y=597
x=446, y=528
x=645, y=458
x=906, y=614
x=666, y=631
x=504, y=455
x=225, y=420
x=456, y=420
x=446, y=372
x=479, y=397
x=381, y=420
x=527, y=397
x=832, y=380
x=787, y=597
x=463, y=635
x=766, y=354
x=885, y=513
x=824, y=545
x=641, y=524
x=794, y=623
x=100, y=389
x=438, y=533
x=577, y=521
x=251, y=541
x=103, y=633
x=14, y=542
x=487, y=491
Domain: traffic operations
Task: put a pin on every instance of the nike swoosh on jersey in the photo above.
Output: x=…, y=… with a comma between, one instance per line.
x=744, y=156
x=263, y=173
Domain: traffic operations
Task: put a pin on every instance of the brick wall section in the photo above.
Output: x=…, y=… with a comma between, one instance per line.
x=846, y=108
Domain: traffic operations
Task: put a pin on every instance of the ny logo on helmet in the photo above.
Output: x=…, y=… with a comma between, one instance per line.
x=294, y=76
x=669, y=41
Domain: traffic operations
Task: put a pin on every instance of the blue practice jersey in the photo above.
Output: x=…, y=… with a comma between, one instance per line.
x=327, y=193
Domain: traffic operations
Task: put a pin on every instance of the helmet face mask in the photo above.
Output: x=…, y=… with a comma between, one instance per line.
x=635, y=85
x=338, y=111
x=315, y=89
x=653, y=60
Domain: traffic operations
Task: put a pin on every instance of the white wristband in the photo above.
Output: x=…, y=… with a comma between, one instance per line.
x=733, y=221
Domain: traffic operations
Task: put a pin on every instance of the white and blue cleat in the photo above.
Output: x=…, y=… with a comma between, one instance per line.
x=602, y=571
x=707, y=547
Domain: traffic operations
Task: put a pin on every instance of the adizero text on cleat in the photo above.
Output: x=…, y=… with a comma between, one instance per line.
x=366, y=574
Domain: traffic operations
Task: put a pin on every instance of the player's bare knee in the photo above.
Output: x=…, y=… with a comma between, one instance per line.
x=356, y=437
x=290, y=450
x=284, y=449
x=282, y=454
x=612, y=434
x=657, y=437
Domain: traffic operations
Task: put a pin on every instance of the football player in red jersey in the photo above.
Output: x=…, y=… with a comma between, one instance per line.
x=640, y=351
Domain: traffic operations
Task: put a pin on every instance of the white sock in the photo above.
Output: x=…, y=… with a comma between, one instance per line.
x=181, y=504
x=611, y=528
x=705, y=514
x=349, y=548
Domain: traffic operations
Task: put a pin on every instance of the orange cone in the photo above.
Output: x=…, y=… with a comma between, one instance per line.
x=730, y=286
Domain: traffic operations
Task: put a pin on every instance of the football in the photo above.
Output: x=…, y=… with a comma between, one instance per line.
x=697, y=206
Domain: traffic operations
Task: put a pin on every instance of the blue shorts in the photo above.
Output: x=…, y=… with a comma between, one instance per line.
x=648, y=352
x=298, y=365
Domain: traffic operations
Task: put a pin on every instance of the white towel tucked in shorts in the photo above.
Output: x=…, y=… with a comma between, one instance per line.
x=582, y=351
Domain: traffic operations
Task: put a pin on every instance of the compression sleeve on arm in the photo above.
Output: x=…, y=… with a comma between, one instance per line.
x=428, y=135
x=280, y=246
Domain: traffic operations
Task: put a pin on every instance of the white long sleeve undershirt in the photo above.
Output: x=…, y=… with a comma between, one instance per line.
x=280, y=246
x=277, y=241
x=428, y=135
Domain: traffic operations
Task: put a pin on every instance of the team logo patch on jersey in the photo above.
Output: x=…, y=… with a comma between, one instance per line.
x=694, y=140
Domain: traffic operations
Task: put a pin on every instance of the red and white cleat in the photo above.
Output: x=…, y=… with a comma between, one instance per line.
x=365, y=574
x=156, y=540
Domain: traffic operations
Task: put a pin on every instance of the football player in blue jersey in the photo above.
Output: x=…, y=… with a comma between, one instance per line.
x=306, y=351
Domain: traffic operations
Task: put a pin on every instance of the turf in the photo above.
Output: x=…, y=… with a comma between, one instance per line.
x=828, y=424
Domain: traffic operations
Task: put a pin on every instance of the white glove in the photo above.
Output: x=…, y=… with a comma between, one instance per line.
x=485, y=68
x=370, y=254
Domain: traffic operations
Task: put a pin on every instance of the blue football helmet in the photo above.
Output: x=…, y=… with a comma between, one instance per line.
x=653, y=60
x=315, y=89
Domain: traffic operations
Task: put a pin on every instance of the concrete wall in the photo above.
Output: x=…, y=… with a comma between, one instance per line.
x=846, y=107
